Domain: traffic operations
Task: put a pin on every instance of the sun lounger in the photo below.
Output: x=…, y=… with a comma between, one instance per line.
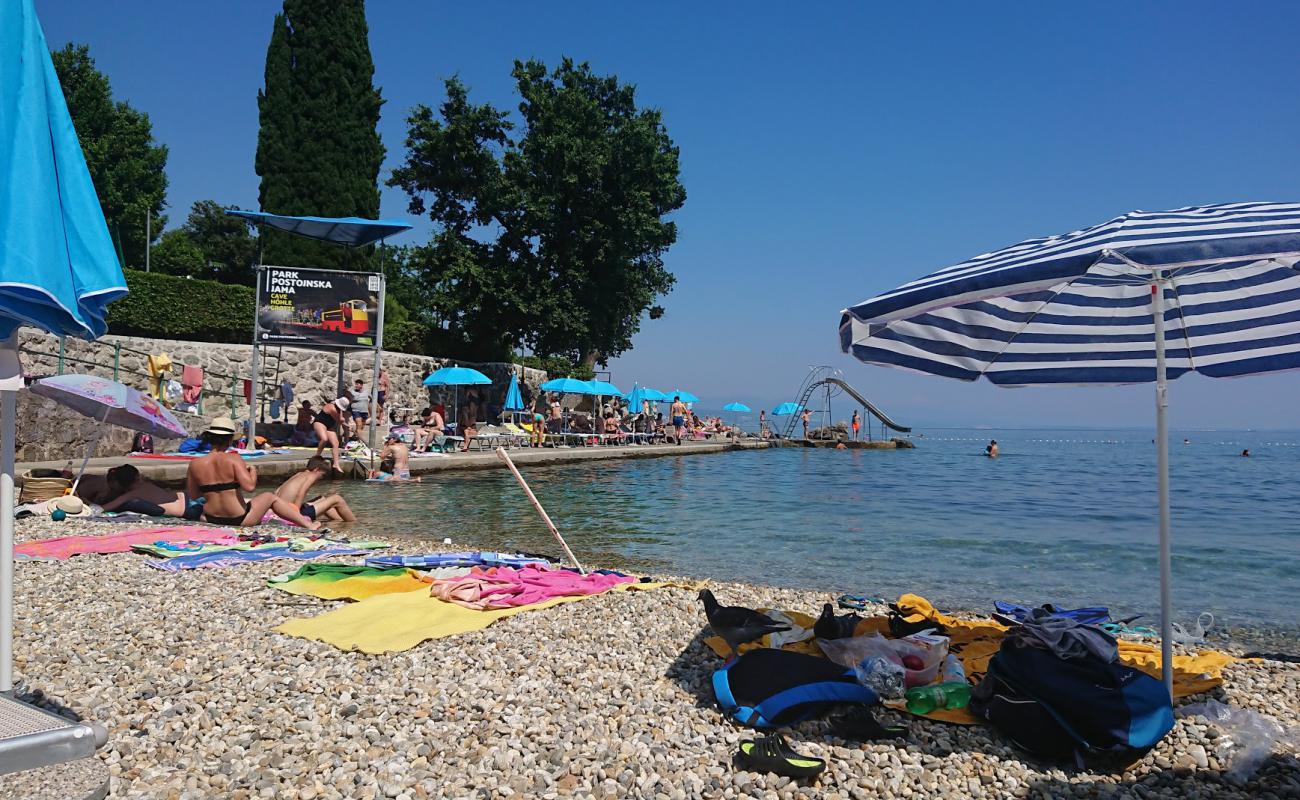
x=31, y=737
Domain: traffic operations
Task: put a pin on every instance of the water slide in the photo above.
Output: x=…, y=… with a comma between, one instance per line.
x=865, y=403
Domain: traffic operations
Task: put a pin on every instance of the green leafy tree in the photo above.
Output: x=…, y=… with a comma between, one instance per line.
x=228, y=246
x=318, y=150
x=177, y=254
x=125, y=163
x=552, y=229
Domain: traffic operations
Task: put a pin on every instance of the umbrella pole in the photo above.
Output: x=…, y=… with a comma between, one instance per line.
x=532, y=498
x=9, y=384
x=90, y=448
x=1162, y=468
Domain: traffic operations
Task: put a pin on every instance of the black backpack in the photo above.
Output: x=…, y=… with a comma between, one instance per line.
x=1084, y=710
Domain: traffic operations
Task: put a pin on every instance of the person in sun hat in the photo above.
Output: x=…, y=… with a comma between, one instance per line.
x=327, y=424
x=221, y=478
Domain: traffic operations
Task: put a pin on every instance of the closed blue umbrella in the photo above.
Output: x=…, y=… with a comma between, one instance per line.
x=58, y=268
x=514, y=400
x=1144, y=297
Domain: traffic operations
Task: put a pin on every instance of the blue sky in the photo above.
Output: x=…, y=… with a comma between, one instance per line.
x=829, y=151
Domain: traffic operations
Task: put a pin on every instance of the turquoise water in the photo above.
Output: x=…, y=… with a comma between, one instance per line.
x=1063, y=516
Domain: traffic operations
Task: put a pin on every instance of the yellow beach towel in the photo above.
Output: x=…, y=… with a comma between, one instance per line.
x=398, y=622
x=361, y=587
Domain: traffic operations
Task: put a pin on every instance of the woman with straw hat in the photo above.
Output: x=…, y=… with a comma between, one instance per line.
x=221, y=478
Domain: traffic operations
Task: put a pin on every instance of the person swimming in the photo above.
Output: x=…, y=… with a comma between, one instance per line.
x=1245, y=453
x=991, y=449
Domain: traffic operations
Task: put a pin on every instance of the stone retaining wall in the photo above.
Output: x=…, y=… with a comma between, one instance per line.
x=312, y=373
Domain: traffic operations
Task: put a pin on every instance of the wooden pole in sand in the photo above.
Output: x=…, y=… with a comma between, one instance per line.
x=504, y=456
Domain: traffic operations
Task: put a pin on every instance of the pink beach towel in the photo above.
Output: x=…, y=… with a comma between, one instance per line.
x=119, y=542
x=191, y=383
x=506, y=587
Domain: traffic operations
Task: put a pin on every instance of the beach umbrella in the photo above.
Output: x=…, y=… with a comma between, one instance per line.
x=567, y=386
x=686, y=397
x=739, y=408
x=604, y=388
x=111, y=403
x=786, y=409
x=457, y=376
x=1145, y=297
x=59, y=267
x=514, y=400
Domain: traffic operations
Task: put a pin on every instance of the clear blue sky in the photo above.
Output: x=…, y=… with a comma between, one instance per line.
x=829, y=151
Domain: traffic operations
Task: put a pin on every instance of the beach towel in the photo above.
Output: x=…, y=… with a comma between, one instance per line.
x=466, y=559
x=234, y=557
x=191, y=384
x=65, y=547
x=159, y=365
x=348, y=581
x=975, y=642
x=504, y=587
x=398, y=622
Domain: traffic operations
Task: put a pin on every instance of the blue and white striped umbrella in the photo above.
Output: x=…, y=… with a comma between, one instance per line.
x=1145, y=296
x=1076, y=309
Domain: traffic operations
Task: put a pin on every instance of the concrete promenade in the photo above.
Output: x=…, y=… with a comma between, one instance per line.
x=279, y=466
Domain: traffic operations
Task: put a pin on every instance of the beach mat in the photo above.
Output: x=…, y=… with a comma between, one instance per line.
x=331, y=581
x=397, y=622
x=65, y=547
x=234, y=557
x=976, y=641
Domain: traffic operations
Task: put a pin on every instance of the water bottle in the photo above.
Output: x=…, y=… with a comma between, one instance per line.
x=924, y=699
x=953, y=671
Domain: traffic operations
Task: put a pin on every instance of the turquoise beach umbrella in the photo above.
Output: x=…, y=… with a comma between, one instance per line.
x=786, y=409
x=604, y=388
x=58, y=268
x=741, y=407
x=686, y=397
x=457, y=376
x=567, y=386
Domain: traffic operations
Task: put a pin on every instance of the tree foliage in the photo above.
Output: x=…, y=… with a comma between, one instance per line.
x=551, y=228
x=318, y=150
x=126, y=165
x=228, y=246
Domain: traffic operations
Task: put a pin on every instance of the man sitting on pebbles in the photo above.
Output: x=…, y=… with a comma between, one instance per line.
x=322, y=507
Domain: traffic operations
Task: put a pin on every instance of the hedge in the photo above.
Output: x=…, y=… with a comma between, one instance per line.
x=166, y=307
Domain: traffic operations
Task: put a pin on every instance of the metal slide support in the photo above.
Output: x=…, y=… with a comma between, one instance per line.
x=1158, y=283
x=374, y=381
x=252, y=395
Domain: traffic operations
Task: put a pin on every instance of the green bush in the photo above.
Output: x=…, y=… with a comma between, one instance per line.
x=166, y=307
x=405, y=337
x=556, y=366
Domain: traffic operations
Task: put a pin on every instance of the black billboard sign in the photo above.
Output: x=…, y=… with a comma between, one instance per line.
x=318, y=308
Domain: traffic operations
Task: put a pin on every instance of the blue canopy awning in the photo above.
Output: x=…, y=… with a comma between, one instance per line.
x=353, y=231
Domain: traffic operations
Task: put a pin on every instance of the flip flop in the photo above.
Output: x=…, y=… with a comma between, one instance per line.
x=861, y=725
x=771, y=753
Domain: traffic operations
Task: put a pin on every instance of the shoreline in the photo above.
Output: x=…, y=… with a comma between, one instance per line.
x=605, y=697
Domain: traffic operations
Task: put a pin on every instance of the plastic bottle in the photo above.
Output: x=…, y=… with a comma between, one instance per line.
x=953, y=671
x=924, y=699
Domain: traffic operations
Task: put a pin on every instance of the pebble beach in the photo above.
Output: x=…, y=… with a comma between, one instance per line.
x=608, y=697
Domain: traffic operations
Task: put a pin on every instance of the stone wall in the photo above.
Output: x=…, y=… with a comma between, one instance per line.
x=312, y=373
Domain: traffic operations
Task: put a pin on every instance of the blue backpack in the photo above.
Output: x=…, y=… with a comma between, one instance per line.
x=768, y=688
x=1076, y=709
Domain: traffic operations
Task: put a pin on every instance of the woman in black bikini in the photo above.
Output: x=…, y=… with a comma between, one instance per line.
x=326, y=425
x=221, y=478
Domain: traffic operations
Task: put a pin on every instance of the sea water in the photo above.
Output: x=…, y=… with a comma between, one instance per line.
x=1062, y=516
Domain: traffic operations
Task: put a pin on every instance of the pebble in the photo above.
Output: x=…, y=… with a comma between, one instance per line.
x=608, y=697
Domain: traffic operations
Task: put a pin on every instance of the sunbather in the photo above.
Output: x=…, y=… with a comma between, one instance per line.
x=322, y=507
x=221, y=479
x=328, y=424
x=429, y=429
x=140, y=496
x=467, y=425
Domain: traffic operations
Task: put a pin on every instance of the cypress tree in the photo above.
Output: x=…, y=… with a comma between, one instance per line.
x=318, y=150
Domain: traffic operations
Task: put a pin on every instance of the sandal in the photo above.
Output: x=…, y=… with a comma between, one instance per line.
x=861, y=725
x=771, y=753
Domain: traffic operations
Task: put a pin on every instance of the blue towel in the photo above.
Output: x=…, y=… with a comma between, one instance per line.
x=229, y=558
x=469, y=559
x=1084, y=616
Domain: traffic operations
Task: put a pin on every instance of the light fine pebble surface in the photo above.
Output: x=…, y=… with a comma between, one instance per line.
x=607, y=697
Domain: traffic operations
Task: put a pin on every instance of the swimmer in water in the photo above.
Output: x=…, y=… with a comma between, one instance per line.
x=1245, y=453
x=992, y=449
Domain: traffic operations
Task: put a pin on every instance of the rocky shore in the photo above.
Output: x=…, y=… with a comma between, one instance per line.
x=608, y=697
